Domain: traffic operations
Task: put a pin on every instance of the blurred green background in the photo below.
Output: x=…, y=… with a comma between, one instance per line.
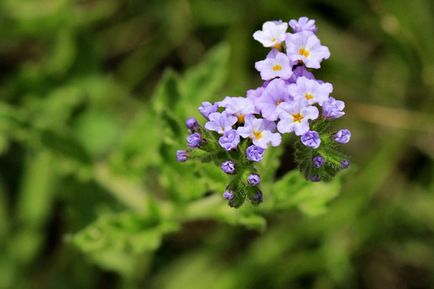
x=90, y=194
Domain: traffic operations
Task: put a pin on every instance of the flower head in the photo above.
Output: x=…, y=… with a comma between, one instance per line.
x=343, y=136
x=295, y=118
x=310, y=91
x=333, y=108
x=272, y=33
x=276, y=64
x=181, y=156
x=220, y=122
x=307, y=48
x=229, y=140
x=228, y=167
x=238, y=106
x=274, y=95
x=194, y=140
x=207, y=108
x=260, y=131
x=255, y=153
x=303, y=24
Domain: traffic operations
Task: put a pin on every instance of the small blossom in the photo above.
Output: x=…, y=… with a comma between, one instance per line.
x=238, y=106
x=276, y=64
x=303, y=24
x=307, y=48
x=207, y=108
x=254, y=179
x=254, y=94
x=333, y=108
x=300, y=71
x=192, y=124
x=310, y=90
x=345, y=164
x=274, y=95
x=272, y=34
x=194, y=140
x=228, y=167
x=260, y=131
x=343, y=136
x=181, y=156
x=220, y=122
x=295, y=118
x=228, y=195
x=311, y=139
x=229, y=140
x=315, y=178
x=318, y=161
x=255, y=153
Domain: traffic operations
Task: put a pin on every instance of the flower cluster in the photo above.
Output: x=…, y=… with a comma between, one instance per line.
x=239, y=130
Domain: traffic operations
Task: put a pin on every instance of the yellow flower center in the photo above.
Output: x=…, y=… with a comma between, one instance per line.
x=240, y=118
x=308, y=96
x=304, y=52
x=279, y=101
x=257, y=134
x=277, y=67
x=297, y=117
x=278, y=46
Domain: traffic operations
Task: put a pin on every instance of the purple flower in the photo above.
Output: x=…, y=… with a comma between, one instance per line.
x=254, y=179
x=239, y=106
x=306, y=47
x=194, y=140
x=300, y=71
x=253, y=94
x=311, y=139
x=256, y=198
x=303, y=24
x=229, y=140
x=333, y=108
x=318, y=161
x=276, y=64
x=228, y=167
x=345, y=164
x=192, y=124
x=255, y=153
x=315, y=178
x=343, y=136
x=228, y=195
x=272, y=98
x=295, y=118
x=260, y=131
x=207, y=108
x=220, y=122
x=181, y=156
x=272, y=34
x=310, y=90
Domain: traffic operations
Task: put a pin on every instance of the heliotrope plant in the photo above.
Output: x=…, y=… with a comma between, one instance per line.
x=239, y=130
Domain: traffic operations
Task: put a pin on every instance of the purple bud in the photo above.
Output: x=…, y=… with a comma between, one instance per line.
x=207, y=108
x=345, y=163
x=194, y=140
x=318, y=161
x=343, y=136
x=228, y=195
x=181, y=156
x=311, y=139
x=192, y=124
x=228, y=167
x=256, y=198
x=254, y=179
x=254, y=153
x=333, y=108
x=229, y=140
x=315, y=178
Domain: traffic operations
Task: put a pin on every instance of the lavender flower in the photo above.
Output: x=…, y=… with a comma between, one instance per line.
x=318, y=161
x=333, y=108
x=228, y=195
x=310, y=90
x=295, y=118
x=303, y=24
x=306, y=47
x=276, y=64
x=192, y=124
x=228, y=167
x=239, y=106
x=300, y=71
x=271, y=99
x=254, y=179
x=343, y=136
x=311, y=139
x=194, y=140
x=272, y=34
x=229, y=140
x=207, y=108
x=220, y=122
x=260, y=131
x=255, y=153
x=181, y=156
x=345, y=164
